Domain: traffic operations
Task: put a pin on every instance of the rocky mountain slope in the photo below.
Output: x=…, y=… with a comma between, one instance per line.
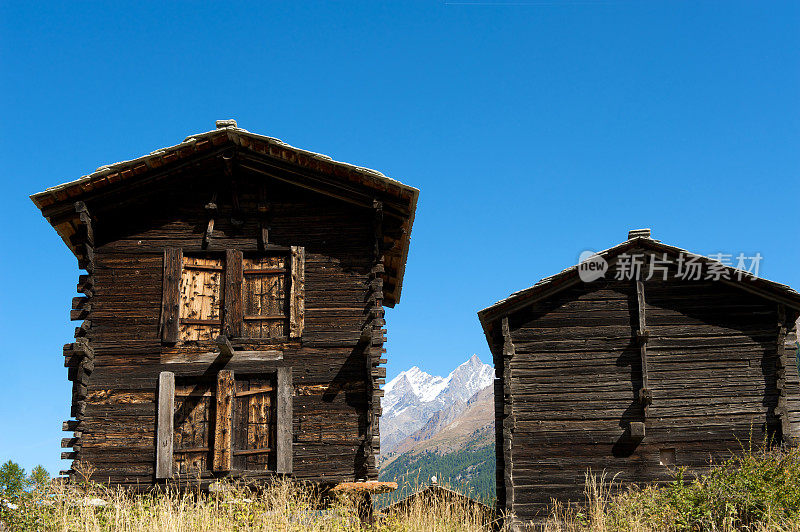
x=461, y=453
x=417, y=401
x=446, y=432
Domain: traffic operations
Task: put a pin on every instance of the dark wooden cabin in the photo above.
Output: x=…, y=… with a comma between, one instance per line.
x=435, y=495
x=232, y=317
x=635, y=375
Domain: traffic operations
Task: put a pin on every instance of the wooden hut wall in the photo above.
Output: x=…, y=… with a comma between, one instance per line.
x=572, y=371
x=335, y=383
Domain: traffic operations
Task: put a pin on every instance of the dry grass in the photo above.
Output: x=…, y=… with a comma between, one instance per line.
x=284, y=506
x=754, y=491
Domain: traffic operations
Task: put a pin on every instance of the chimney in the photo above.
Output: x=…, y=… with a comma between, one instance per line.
x=638, y=233
x=226, y=123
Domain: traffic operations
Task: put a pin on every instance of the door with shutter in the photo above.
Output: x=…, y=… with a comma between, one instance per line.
x=224, y=424
x=194, y=417
x=257, y=297
x=201, y=298
x=265, y=297
x=254, y=421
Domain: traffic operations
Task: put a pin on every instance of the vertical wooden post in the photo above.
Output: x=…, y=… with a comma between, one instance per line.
x=234, y=311
x=264, y=218
x=642, y=336
x=508, y=418
x=283, y=442
x=296, y=292
x=373, y=333
x=377, y=228
x=166, y=410
x=211, y=209
x=83, y=239
x=170, y=312
x=86, y=220
x=224, y=425
x=788, y=377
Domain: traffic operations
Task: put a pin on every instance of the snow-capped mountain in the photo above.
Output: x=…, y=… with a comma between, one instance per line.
x=414, y=396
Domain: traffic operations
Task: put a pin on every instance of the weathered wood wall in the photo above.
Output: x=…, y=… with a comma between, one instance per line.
x=335, y=364
x=718, y=374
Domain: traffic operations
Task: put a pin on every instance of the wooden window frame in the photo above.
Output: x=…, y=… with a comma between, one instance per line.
x=222, y=440
x=254, y=275
x=232, y=289
x=198, y=325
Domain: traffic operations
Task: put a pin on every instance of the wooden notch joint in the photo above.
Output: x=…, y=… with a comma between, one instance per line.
x=645, y=397
x=225, y=346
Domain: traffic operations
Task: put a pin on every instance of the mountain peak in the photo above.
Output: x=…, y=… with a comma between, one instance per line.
x=473, y=362
x=413, y=396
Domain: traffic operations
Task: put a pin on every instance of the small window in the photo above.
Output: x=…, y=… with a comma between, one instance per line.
x=253, y=420
x=195, y=412
x=666, y=457
x=201, y=298
x=265, y=292
x=253, y=297
x=224, y=424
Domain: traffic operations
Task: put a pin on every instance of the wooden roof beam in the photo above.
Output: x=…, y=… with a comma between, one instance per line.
x=281, y=171
x=62, y=208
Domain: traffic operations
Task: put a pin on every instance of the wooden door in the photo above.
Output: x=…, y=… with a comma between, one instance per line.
x=254, y=423
x=224, y=424
x=194, y=414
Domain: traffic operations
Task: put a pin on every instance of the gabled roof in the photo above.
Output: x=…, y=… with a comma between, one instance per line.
x=55, y=201
x=637, y=239
x=437, y=491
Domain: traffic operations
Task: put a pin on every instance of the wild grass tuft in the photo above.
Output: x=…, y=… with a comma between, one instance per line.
x=283, y=506
x=754, y=490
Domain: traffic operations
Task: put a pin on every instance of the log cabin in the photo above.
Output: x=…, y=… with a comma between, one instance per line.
x=636, y=366
x=232, y=316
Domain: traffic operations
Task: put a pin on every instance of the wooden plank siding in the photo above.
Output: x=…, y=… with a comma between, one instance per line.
x=329, y=410
x=576, y=373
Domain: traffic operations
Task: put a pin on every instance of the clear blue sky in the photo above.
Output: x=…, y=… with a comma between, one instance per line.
x=535, y=130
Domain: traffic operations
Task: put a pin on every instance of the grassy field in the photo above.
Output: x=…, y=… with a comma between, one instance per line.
x=754, y=491
x=284, y=506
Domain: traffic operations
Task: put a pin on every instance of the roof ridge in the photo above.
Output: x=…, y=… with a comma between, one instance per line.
x=786, y=290
x=193, y=139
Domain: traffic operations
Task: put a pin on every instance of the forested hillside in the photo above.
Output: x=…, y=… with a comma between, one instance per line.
x=469, y=470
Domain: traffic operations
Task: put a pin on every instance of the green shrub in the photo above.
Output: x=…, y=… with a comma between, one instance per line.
x=753, y=490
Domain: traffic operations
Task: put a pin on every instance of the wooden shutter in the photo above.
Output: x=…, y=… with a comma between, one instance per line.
x=254, y=419
x=223, y=428
x=232, y=325
x=283, y=439
x=266, y=296
x=201, y=294
x=195, y=404
x=166, y=408
x=296, y=292
x=173, y=261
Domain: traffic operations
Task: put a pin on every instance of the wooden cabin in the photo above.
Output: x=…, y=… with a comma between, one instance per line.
x=640, y=369
x=231, y=322
x=437, y=496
